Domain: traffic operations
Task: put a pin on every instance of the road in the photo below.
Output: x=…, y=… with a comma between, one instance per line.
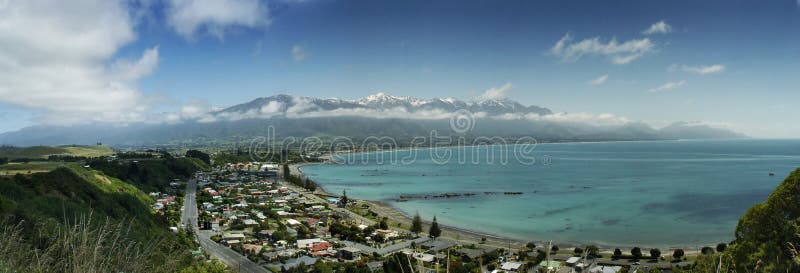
x=226, y=255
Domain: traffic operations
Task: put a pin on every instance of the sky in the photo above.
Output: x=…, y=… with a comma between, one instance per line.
x=732, y=64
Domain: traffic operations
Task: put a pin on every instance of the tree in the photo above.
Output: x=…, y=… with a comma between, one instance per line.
x=286, y=171
x=206, y=267
x=434, y=231
x=343, y=200
x=617, y=253
x=578, y=250
x=707, y=250
x=655, y=253
x=416, y=224
x=530, y=245
x=593, y=251
x=721, y=247
x=3, y=160
x=764, y=233
x=383, y=224
x=636, y=252
x=678, y=254
x=554, y=249
x=199, y=155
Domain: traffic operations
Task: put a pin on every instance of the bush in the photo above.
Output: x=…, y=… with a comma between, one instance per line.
x=83, y=247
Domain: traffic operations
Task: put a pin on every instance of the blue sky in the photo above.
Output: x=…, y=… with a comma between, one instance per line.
x=729, y=63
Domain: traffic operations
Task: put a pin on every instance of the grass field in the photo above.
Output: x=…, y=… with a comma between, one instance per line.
x=31, y=167
x=88, y=151
x=46, y=151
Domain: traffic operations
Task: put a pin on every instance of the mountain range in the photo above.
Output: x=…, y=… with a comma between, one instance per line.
x=400, y=117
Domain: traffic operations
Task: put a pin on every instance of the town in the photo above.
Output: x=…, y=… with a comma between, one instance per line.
x=248, y=216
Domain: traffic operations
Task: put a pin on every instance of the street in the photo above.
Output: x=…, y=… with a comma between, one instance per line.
x=224, y=254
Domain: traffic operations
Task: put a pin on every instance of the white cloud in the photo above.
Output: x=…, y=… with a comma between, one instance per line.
x=599, y=80
x=496, y=92
x=659, y=27
x=704, y=70
x=619, y=53
x=188, y=17
x=298, y=53
x=195, y=109
x=667, y=86
x=56, y=59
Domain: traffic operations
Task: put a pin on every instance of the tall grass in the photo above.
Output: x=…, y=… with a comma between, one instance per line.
x=81, y=247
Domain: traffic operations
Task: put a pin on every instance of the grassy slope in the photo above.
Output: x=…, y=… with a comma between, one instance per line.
x=150, y=174
x=72, y=190
x=46, y=151
x=44, y=204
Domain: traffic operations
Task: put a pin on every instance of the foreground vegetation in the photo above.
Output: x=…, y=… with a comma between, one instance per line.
x=72, y=218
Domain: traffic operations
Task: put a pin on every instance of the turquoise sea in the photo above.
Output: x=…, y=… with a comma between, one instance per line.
x=649, y=193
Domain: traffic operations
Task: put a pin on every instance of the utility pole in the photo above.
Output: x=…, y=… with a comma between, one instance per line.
x=448, y=262
x=480, y=260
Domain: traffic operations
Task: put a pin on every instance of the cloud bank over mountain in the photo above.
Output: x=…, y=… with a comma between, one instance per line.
x=379, y=114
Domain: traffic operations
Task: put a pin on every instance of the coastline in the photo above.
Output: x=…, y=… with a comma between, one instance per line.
x=463, y=236
x=467, y=236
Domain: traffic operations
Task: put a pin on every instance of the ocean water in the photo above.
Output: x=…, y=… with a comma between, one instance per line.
x=650, y=193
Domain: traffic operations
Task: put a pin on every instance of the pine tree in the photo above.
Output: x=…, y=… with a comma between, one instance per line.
x=434, y=231
x=286, y=172
x=343, y=200
x=416, y=224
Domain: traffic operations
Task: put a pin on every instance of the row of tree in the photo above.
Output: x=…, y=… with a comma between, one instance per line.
x=305, y=183
x=434, y=231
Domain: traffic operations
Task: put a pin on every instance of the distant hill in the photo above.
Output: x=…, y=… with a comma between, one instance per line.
x=381, y=115
x=43, y=152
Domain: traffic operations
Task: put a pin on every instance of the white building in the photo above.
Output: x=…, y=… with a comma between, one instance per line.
x=306, y=243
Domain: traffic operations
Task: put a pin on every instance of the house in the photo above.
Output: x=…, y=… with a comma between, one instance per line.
x=350, y=253
x=321, y=246
x=605, y=269
x=387, y=233
x=252, y=249
x=572, y=261
x=424, y=257
x=435, y=246
x=512, y=266
x=306, y=243
x=468, y=254
x=292, y=222
x=233, y=236
x=250, y=222
x=301, y=260
x=549, y=266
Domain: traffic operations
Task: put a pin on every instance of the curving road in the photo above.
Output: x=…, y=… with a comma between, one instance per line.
x=226, y=255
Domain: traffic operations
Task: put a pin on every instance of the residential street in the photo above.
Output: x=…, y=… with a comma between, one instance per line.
x=226, y=255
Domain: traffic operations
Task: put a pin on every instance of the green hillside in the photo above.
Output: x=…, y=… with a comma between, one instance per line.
x=149, y=174
x=43, y=152
x=71, y=205
x=767, y=237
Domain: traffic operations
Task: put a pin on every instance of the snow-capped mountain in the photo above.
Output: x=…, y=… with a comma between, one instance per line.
x=283, y=104
x=402, y=118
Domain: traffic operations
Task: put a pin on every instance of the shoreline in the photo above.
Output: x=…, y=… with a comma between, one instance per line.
x=467, y=236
